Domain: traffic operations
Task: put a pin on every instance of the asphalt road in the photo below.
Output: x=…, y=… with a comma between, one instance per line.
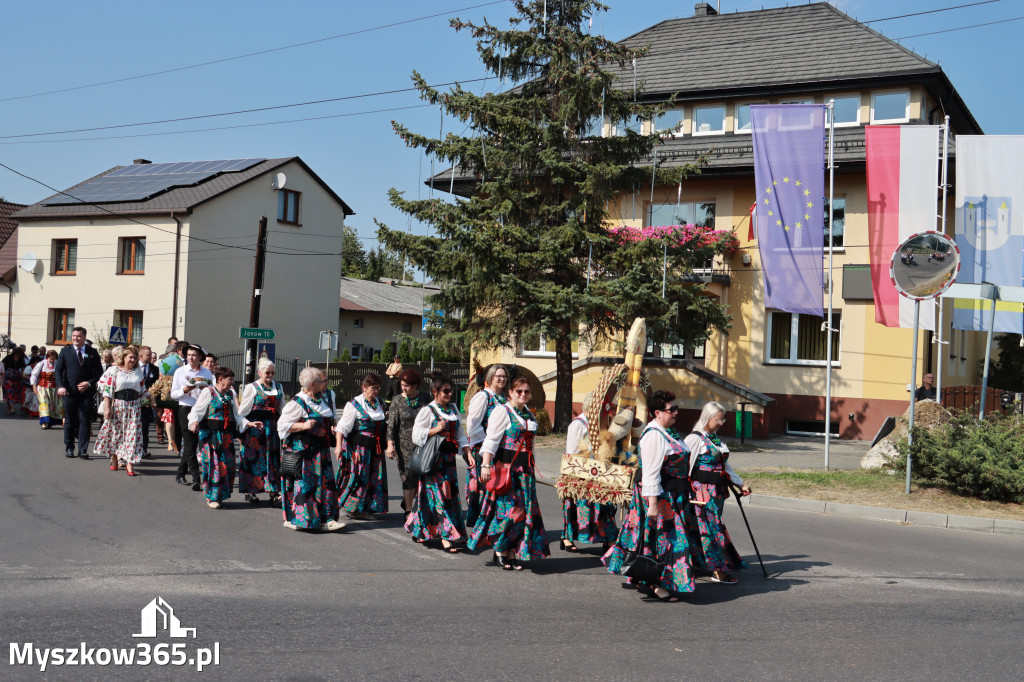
x=85, y=549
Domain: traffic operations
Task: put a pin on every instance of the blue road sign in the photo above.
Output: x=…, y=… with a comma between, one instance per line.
x=266, y=350
x=118, y=336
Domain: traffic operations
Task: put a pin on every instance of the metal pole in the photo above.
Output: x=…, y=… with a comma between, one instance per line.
x=257, y=293
x=942, y=230
x=913, y=384
x=988, y=358
x=828, y=341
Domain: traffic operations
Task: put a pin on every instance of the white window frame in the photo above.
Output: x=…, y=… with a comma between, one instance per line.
x=682, y=122
x=615, y=126
x=720, y=131
x=542, y=343
x=842, y=247
x=794, y=340
x=848, y=124
x=906, y=112
x=357, y=322
x=736, y=119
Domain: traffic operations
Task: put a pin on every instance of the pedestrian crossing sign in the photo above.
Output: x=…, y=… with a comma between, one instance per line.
x=119, y=336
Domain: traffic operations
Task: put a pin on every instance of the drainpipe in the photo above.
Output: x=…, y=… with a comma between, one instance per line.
x=10, y=306
x=177, y=272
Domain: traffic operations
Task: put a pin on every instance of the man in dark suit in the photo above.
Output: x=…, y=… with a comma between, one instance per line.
x=150, y=371
x=77, y=370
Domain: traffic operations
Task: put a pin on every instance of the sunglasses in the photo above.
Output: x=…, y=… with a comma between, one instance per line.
x=446, y=391
x=525, y=391
x=670, y=410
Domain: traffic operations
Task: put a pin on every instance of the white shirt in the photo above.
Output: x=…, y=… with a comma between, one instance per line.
x=44, y=366
x=118, y=379
x=181, y=378
x=697, y=447
x=421, y=427
x=198, y=411
x=576, y=432
x=294, y=413
x=249, y=396
x=349, y=414
x=475, y=415
x=500, y=420
x=654, y=448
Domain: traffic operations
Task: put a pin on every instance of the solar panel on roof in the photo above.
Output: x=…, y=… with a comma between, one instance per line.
x=139, y=182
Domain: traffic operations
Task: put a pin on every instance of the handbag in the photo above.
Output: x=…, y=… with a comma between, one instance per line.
x=500, y=482
x=424, y=457
x=291, y=462
x=642, y=568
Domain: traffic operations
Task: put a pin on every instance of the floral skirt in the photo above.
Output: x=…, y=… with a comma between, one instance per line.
x=667, y=540
x=437, y=512
x=585, y=521
x=475, y=491
x=121, y=435
x=167, y=416
x=512, y=521
x=311, y=500
x=711, y=547
x=260, y=462
x=51, y=408
x=14, y=387
x=363, y=481
x=216, y=452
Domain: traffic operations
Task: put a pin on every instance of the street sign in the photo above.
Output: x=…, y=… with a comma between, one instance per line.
x=427, y=314
x=256, y=333
x=118, y=336
x=328, y=340
x=266, y=351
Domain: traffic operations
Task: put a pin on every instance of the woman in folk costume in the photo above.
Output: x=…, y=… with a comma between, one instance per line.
x=362, y=474
x=405, y=406
x=583, y=520
x=260, y=463
x=310, y=501
x=477, y=416
x=710, y=477
x=44, y=381
x=511, y=520
x=14, y=386
x=660, y=499
x=121, y=390
x=436, y=512
x=215, y=419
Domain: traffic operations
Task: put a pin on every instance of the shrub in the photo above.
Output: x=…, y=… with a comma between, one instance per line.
x=346, y=355
x=387, y=353
x=376, y=358
x=971, y=458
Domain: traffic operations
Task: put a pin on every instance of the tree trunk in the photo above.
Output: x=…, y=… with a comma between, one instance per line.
x=563, y=383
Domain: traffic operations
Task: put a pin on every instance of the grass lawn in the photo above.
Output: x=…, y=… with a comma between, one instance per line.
x=874, y=489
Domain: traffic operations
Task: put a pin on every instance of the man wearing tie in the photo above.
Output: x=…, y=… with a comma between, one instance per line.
x=77, y=370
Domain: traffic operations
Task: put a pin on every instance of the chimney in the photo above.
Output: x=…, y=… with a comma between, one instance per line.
x=703, y=9
x=139, y=162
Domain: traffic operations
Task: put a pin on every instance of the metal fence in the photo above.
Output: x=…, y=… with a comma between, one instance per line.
x=287, y=370
x=346, y=378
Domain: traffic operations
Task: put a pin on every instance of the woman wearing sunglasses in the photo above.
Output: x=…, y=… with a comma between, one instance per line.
x=436, y=513
x=710, y=477
x=659, y=503
x=510, y=521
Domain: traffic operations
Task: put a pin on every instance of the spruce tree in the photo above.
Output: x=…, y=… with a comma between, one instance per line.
x=530, y=251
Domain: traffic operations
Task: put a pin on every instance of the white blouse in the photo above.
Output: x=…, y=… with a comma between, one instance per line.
x=117, y=379
x=421, y=427
x=198, y=411
x=697, y=447
x=576, y=432
x=501, y=419
x=349, y=414
x=249, y=396
x=654, y=448
x=44, y=366
x=475, y=416
x=294, y=413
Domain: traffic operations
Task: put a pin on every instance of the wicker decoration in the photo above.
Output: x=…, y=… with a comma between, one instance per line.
x=593, y=480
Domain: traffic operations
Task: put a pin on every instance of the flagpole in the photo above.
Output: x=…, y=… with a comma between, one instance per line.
x=830, y=107
x=942, y=230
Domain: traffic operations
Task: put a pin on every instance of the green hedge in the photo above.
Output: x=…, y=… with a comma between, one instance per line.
x=971, y=458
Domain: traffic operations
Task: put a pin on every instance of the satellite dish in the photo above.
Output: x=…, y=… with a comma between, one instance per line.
x=279, y=180
x=29, y=263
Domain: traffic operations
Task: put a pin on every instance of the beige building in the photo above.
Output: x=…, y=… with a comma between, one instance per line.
x=168, y=250
x=372, y=313
x=772, y=360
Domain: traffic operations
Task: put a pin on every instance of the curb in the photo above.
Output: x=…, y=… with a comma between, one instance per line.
x=977, y=524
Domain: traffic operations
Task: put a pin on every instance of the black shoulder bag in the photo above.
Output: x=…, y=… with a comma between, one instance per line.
x=423, y=459
x=641, y=567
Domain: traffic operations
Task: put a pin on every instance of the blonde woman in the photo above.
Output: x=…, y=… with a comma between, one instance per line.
x=122, y=389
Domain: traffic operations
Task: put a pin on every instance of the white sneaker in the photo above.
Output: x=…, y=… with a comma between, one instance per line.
x=332, y=526
x=290, y=525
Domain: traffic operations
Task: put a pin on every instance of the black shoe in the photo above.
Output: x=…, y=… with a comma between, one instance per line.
x=180, y=480
x=146, y=455
x=197, y=486
x=70, y=454
x=83, y=455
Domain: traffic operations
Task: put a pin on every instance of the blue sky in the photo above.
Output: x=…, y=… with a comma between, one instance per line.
x=59, y=45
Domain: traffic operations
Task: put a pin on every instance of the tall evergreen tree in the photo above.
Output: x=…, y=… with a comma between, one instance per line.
x=530, y=252
x=353, y=257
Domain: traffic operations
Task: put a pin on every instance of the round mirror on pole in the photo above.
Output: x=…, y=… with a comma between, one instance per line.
x=924, y=265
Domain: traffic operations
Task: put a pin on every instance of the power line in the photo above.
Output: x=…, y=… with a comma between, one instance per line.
x=931, y=11
x=217, y=128
x=254, y=54
x=960, y=28
x=238, y=112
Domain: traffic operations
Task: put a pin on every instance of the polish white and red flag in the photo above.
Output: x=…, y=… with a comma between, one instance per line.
x=902, y=180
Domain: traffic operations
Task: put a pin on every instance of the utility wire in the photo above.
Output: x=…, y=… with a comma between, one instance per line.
x=960, y=28
x=253, y=54
x=931, y=11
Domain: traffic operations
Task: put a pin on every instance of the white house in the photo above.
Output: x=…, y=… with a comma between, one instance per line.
x=168, y=249
x=372, y=313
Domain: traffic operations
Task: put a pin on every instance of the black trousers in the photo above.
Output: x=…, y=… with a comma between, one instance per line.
x=189, y=463
x=147, y=421
x=77, y=415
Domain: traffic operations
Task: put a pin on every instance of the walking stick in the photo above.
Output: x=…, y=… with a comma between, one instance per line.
x=737, y=493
